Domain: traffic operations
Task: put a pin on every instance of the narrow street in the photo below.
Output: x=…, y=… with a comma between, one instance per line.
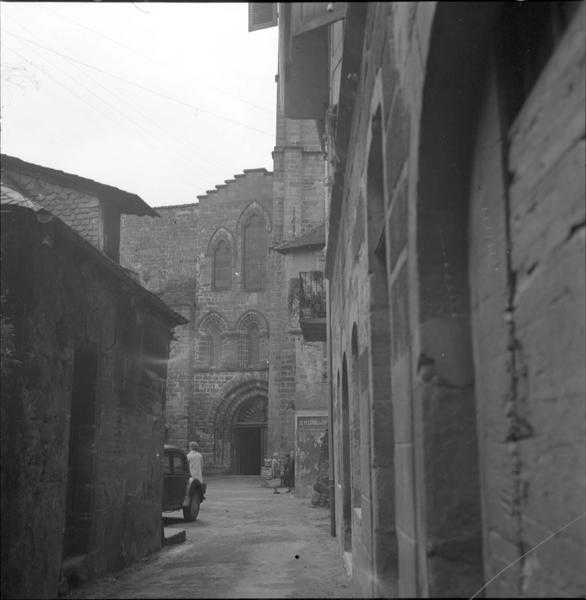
x=338, y=244
x=246, y=543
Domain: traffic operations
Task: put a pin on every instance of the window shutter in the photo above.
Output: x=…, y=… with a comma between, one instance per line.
x=307, y=16
x=261, y=15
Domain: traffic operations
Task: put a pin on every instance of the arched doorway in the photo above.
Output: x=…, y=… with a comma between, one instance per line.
x=249, y=437
x=346, y=468
x=239, y=423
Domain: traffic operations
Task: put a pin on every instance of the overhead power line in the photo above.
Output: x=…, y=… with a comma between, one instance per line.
x=123, y=124
x=146, y=12
x=138, y=85
x=150, y=121
x=162, y=63
x=68, y=89
x=69, y=94
x=136, y=111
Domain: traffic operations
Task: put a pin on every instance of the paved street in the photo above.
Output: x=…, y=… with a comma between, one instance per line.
x=246, y=543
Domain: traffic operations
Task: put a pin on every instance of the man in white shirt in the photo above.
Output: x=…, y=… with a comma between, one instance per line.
x=195, y=461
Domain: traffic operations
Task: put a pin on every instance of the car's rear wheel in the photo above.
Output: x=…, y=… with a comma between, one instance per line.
x=190, y=512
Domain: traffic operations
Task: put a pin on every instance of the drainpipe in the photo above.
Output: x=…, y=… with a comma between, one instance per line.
x=331, y=487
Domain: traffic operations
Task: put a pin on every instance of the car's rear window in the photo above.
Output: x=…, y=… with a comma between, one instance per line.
x=178, y=466
x=167, y=465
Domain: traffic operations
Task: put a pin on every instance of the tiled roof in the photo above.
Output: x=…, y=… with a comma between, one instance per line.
x=315, y=237
x=127, y=202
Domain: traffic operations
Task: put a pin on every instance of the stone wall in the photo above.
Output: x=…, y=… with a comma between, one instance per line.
x=79, y=210
x=174, y=258
x=471, y=317
x=64, y=306
x=298, y=190
x=529, y=365
x=162, y=251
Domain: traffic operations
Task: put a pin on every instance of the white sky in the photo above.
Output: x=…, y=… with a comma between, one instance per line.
x=205, y=111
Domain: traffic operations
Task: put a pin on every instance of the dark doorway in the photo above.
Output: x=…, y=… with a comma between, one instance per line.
x=79, y=502
x=249, y=436
x=248, y=450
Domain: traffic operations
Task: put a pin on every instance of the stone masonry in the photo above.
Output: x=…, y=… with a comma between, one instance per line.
x=455, y=260
x=83, y=374
x=217, y=393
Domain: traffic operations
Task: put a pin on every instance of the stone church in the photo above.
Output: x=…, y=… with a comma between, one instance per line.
x=242, y=379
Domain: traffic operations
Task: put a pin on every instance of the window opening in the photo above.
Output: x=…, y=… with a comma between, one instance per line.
x=215, y=348
x=252, y=344
x=222, y=267
x=255, y=250
x=178, y=465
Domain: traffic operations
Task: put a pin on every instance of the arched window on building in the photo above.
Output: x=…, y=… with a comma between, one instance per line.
x=252, y=339
x=211, y=332
x=252, y=344
x=214, y=348
x=222, y=271
x=254, y=253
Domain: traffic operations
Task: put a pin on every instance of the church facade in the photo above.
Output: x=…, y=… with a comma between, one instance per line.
x=242, y=380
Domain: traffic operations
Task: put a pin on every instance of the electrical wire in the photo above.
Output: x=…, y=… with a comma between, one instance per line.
x=148, y=118
x=69, y=90
x=126, y=120
x=162, y=63
x=151, y=121
x=73, y=93
x=140, y=86
x=135, y=110
x=144, y=12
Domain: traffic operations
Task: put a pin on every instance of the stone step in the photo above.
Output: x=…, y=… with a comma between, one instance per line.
x=173, y=536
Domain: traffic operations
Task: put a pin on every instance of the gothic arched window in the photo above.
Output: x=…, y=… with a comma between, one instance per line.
x=254, y=253
x=214, y=348
x=253, y=334
x=222, y=274
x=252, y=344
x=211, y=332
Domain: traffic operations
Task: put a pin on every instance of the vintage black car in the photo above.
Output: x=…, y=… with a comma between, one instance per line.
x=180, y=490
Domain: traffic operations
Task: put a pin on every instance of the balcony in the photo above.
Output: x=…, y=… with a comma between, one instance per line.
x=312, y=306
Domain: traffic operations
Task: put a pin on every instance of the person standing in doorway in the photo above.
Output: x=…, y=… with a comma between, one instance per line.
x=195, y=461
